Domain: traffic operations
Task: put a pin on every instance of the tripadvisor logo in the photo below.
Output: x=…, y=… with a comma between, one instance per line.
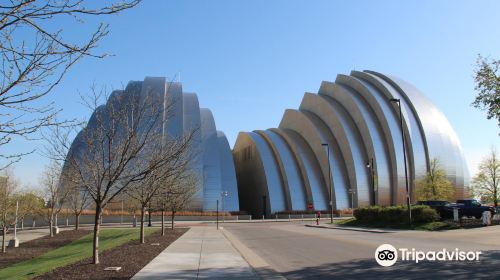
x=387, y=255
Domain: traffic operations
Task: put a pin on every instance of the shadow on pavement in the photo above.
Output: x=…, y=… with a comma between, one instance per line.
x=488, y=267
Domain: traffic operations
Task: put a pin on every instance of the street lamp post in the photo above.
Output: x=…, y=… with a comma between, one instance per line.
x=352, y=191
x=14, y=242
x=223, y=195
x=121, y=214
x=369, y=164
x=329, y=180
x=398, y=102
x=217, y=215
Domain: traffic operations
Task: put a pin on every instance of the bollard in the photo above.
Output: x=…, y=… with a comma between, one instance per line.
x=455, y=215
x=263, y=217
x=486, y=218
x=289, y=218
x=302, y=217
x=276, y=217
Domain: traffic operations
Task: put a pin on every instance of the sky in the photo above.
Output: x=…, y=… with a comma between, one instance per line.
x=248, y=61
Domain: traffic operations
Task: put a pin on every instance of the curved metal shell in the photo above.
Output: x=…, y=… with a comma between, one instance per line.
x=211, y=161
x=228, y=175
x=179, y=114
x=355, y=118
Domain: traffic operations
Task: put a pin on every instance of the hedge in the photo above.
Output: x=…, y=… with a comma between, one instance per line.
x=396, y=214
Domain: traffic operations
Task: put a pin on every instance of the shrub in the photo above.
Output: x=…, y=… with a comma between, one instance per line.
x=424, y=214
x=395, y=214
x=367, y=213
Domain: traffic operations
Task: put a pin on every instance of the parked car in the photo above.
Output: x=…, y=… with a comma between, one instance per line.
x=439, y=206
x=470, y=208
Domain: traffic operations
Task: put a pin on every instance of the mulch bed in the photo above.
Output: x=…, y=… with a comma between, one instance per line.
x=131, y=256
x=36, y=247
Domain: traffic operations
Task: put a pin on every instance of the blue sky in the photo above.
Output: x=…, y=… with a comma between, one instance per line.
x=250, y=60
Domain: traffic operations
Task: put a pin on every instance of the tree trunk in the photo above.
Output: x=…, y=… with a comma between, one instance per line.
x=162, y=222
x=4, y=235
x=495, y=196
x=149, y=216
x=173, y=218
x=51, y=224
x=97, y=227
x=77, y=221
x=143, y=209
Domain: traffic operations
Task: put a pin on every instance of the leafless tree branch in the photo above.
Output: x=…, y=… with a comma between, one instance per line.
x=34, y=59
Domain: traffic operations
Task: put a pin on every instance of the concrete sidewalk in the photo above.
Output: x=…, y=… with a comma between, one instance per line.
x=202, y=252
x=29, y=234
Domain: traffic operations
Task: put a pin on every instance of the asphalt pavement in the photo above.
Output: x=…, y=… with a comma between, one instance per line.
x=295, y=251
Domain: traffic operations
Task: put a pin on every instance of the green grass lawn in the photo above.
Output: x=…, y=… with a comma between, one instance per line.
x=432, y=226
x=71, y=253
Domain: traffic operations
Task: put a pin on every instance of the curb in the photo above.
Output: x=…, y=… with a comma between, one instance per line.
x=259, y=266
x=353, y=229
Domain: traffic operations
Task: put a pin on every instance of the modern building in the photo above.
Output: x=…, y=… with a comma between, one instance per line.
x=345, y=143
x=343, y=146
x=212, y=159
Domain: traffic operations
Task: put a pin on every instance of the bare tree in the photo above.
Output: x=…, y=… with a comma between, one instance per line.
x=131, y=206
x=177, y=195
x=8, y=186
x=30, y=204
x=55, y=196
x=77, y=201
x=170, y=172
x=35, y=56
x=113, y=151
x=171, y=197
x=58, y=139
x=486, y=184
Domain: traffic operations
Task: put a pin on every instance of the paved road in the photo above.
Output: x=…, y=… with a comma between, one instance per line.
x=299, y=252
